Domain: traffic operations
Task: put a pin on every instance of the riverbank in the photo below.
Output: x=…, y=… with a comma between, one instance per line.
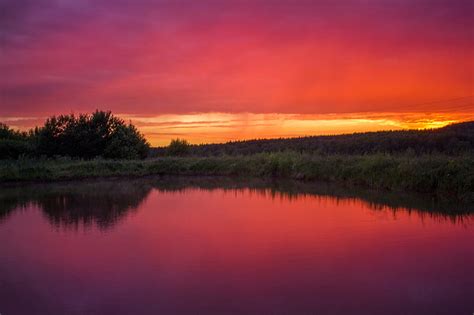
x=451, y=177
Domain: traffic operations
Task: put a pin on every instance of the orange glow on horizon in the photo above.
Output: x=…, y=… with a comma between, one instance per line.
x=199, y=128
x=219, y=127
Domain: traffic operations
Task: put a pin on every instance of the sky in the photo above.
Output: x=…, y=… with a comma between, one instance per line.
x=213, y=71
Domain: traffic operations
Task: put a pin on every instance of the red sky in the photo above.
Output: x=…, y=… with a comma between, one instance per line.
x=212, y=71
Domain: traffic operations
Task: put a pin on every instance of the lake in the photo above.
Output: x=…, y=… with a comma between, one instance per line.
x=213, y=246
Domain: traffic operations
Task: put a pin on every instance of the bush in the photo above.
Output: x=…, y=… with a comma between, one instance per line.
x=178, y=147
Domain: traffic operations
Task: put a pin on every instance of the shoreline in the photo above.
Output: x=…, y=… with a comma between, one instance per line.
x=274, y=187
x=442, y=176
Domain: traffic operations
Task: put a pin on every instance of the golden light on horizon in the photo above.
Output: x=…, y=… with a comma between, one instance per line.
x=216, y=127
x=201, y=128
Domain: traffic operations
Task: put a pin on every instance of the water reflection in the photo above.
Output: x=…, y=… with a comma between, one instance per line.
x=104, y=203
x=220, y=246
x=71, y=205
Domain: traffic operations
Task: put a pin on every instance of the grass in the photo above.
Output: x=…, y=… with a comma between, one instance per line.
x=448, y=176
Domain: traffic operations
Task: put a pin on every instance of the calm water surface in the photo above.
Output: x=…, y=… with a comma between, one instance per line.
x=144, y=248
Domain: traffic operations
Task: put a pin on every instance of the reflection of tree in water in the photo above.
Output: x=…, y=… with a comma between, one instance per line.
x=8, y=205
x=105, y=203
x=103, y=206
x=81, y=204
x=426, y=206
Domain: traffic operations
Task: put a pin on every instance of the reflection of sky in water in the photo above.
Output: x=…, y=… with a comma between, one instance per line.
x=156, y=250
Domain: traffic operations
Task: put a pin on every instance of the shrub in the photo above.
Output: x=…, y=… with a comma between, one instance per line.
x=178, y=147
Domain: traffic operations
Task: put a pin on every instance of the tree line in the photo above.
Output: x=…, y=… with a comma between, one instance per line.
x=101, y=134
x=86, y=136
x=451, y=140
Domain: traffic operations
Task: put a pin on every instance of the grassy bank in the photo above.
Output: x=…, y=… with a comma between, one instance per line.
x=448, y=176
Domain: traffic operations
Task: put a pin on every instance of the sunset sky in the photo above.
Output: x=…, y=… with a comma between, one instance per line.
x=213, y=71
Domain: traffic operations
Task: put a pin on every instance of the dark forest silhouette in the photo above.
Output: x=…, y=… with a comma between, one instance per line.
x=452, y=140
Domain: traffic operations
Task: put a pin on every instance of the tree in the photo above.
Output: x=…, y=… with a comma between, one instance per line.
x=6, y=133
x=178, y=147
x=87, y=136
x=126, y=143
x=13, y=144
